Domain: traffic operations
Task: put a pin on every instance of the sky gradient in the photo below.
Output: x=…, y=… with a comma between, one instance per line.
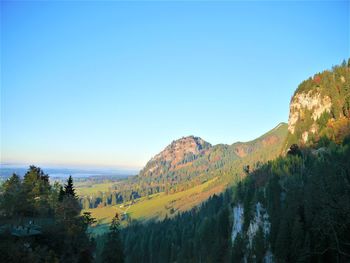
x=113, y=83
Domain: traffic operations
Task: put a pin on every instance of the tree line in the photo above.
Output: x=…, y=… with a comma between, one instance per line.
x=40, y=222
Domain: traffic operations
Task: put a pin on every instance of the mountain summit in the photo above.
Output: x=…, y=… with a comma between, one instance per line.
x=176, y=155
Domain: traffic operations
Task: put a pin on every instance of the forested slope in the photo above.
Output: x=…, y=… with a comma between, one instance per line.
x=293, y=209
x=297, y=207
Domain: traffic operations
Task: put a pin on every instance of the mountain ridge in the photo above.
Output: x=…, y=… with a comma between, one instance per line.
x=192, y=154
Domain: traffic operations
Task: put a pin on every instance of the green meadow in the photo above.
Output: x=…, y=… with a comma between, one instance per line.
x=87, y=188
x=157, y=206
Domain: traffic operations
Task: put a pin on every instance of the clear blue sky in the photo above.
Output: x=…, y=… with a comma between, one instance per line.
x=112, y=83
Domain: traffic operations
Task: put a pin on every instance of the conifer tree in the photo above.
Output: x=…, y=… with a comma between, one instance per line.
x=11, y=196
x=113, y=250
x=36, y=189
x=69, y=188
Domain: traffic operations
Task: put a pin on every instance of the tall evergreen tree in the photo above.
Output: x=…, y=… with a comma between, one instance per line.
x=36, y=189
x=69, y=188
x=113, y=250
x=11, y=197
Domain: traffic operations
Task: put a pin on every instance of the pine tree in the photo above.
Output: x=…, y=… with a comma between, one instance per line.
x=69, y=205
x=36, y=189
x=113, y=251
x=69, y=188
x=11, y=197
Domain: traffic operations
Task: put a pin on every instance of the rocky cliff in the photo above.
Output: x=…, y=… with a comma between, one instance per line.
x=321, y=107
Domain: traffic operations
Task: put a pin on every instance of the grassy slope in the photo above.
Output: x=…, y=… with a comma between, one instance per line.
x=88, y=188
x=156, y=206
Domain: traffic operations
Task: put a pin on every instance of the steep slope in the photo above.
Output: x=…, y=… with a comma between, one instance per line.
x=277, y=207
x=321, y=107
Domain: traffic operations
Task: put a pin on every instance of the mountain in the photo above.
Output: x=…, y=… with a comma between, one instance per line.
x=192, y=158
x=176, y=155
x=183, y=175
x=291, y=209
x=320, y=107
x=294, y=208
x=188, y=165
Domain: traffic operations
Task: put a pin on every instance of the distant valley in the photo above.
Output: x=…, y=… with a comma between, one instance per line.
x=7, y=170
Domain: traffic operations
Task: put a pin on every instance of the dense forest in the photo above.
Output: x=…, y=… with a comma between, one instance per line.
x=40, y=222
x=305, y=195
x=199, y=235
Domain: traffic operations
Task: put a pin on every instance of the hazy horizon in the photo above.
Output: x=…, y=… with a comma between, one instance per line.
x=111, y=84
x=63, y=172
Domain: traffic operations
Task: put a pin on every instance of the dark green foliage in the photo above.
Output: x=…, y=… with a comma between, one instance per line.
x=69, y=188
x=112, y=250
x=307, y=198
x=12, y=197
x=259, y=245
x=88, y=219
x=294, y=150
x=306, y=195
x=238, y=249
x=61, y=194
x=199, y=235
x=35, y=189
x=42, y=223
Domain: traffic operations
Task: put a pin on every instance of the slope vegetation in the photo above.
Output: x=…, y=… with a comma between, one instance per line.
x=320, y=107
